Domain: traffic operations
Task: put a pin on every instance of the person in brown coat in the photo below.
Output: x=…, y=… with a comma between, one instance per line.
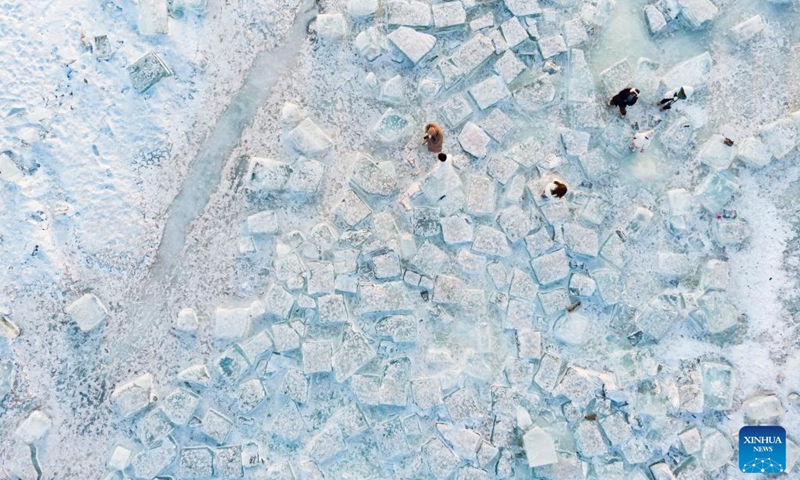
x=434, y=137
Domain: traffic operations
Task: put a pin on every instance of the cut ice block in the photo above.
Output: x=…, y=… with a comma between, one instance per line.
x=321, y=278
x=370, y=43
x=753, y=152
x=522, y=8
x=87, y=312
x=715, y=153
x=747, y=30
x=509, y=67
x=661, y=471
x=482, y=195
x=196, y=375
x=263, y=223
x=187, y=321
x=519, y=314
x=513, y=32
x=249, y=395
x=473, y=53
x=196, y=462
x=441, y=459
x=616, y=77
x=609, y=285
x=410, y=13
x=153, y=17
x=719, y=384
x=548, y=373
x=572, y=329
x=391, y=127
x=474, y=140
x=716, y=451
x=34, y=427
x=401, y=328
x=120, y=458
x=655, y=19
x=133, y=396
x=719, y=315
x=411, y=43
x=580, y=83
x=549, y=47
x=616, y=428
x=698, y=13
x=780, y=137
x=331, y=26
x=285, y=337
x=179, y=405
x=589, y=440
x=216, y=426
x=499, y=125
x=429, y=259
x=484, y=21
x=149, y=463
x=716, y=190
x=731, y=231
x=147, y=71
x=425, y=221
x=581, y=240
x=153, y=427
x=576, y=143
x=295, y=385
x=582, y=285
x=490, y=241
x=529, y=344
x=231, y=365
x=695, y=72
x=690, y=441
x=383, y=297
x=448, y=15
x=515, y=222
x=317, y=357
x=638, y=223
x=457, y=229
x=362, y=8
x=456, y=110
x=551, y=267
x=498, y=41
x=231, y=323
x=554, y=301
x=278, y=301
x=331, y=309
x=715, y=275
x=306, y=176
x=309, y=139
x=655, y=319
x=763, y=408
x=352, y=210
x=103, y=49
x=574, y=33
x=447, y=289
x=489, y=92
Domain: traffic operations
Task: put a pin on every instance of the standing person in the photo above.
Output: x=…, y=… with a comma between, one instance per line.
x=625, y=98
x=681, y=93
x=641, y=140
x=434, y=138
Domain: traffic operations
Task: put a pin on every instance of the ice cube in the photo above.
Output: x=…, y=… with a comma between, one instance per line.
x=581, y=240
x=429, y=259
x=216, y=426
x=103, y=49
x=482, y=195
x=753, y=152
x=120, y=458
x=529, y=344
x=309, y=139
x=509, y=67
x=638, y=223
x=698, y=13
x=87, y=312
x=548, y=372
x=457, y=229
x=195, y=375
x=490, y=241
x=441, y=459
x=373, y=178
x=153, y=17
x=400, y=328
x=655, y=19
x=780, y=137
x=179, y=405
x=581, y=285
x=499, y=126
x=715, y=153
x=589, y=440
x=196, y=462
x=616, y=428
x=513, y=32
x=412, y=44
x=716, y=451
x=522, y=8
x=231, y=324
x=609, y=285
x=187, y=321
x=551, y=46
x=133, y=396
x=489, y=92
x=539, y=448
x=410, y=13
x=574, y=32
x=147, y=71
x=695, y=71
x=153, y=427
x=228, y=462
x=690, y=441
x=278, y=301
x=263, y=223
x=576, y=143
x=719, y=314
x=745, y=31
x=763, y=408
x=331, y=26
x=353, y=353
x=554, y=301
x=656, y=318
x=231, y=364
x=473, y=53
x=317, y=357
x=719, y=385
x=352, y=210
x=383, y=297
x=306, y=176
x=551, y=267
x=34, y=427
x=362, y=8
x=151, y=462
x=370, y=43
x=250, y=394
x=448, y=15
x=716, y=190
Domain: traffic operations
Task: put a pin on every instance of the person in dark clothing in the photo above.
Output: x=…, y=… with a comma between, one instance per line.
x=434, y=137
x=625, y=98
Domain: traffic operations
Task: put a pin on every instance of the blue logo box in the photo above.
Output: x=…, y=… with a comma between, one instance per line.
x=762, y=449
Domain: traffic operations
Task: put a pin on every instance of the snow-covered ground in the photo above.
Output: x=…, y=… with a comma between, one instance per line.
x=252, y=269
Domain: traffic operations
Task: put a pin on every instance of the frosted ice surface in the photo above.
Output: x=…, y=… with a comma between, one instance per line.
x=411, y=13
x=34, y=427
x=448, y=15
x=153, y=17
x=411, y=43
x=473, y=53
x=151, y=462
x=551, y=267
x=231, y=323
x=522, y=8
x=331, y=26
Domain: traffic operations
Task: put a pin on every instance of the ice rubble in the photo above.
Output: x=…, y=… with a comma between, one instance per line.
x=341, y=364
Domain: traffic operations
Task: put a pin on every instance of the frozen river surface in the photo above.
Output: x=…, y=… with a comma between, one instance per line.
x=225, y=253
